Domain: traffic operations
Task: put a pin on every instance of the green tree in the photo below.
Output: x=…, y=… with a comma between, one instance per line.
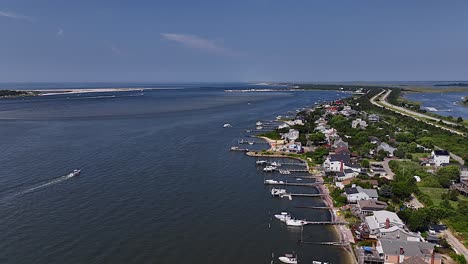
x=459, y=119
x=365, y=163
x=317, y=138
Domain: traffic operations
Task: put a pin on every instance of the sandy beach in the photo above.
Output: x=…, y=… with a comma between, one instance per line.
x=94, y=90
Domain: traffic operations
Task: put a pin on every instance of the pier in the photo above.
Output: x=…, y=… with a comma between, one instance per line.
x=292, y=184
x=314, y=207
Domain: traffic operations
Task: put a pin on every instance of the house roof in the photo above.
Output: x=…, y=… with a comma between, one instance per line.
x=414, y=260
x=339, y=150
x=348, y=171
x=338, y=157
x=381, y=217
x=441, y=153
x=411, y=248
x=352, y=190
x=371, y=192
x=372, y=205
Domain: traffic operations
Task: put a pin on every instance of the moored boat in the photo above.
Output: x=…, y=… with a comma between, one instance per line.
x=288, y=258
x=283, y=216
x=295, y=222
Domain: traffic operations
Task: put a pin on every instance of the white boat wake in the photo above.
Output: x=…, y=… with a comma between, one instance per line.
x=43, y=185
x=52, y=182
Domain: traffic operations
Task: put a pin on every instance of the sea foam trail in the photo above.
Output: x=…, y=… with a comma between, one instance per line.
x=40, y=186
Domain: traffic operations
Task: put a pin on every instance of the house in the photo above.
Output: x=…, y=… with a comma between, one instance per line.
x=346, y=174
x=359, y=123
x=293, y=147
x=397, y=251
x=464, y=175
x=343, y=151
x=397, y=233
x=292, y=135
x=358, y=193
x=340, y=143
x=373, y=118
x=382, y=219
x=387, y=148
x=335, y=162
x=440, y=157
x=374, y=140
x=368, y=207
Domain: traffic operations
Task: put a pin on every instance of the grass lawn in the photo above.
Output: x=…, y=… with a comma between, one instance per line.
x=435, y=194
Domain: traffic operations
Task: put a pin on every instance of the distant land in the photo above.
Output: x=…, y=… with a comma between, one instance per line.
x=452, y=84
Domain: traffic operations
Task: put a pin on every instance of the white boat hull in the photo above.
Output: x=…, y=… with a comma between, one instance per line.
x=288, y=260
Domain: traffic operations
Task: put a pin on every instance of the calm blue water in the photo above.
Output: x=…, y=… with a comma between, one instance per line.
x=445, y=103
x=158, y=183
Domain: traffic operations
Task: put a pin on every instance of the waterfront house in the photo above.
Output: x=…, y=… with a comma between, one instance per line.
x=368, y=207
x=358, y=193
x=383, y=219
x=293, y=147
x=292, y=135
x=398, y=233
x=397, y=251
x=336, y=162
x=440, y=157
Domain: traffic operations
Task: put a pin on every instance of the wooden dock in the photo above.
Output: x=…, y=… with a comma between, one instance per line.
x=307, y=194
x=293, y=184
x=314, y=207
x=325, y=223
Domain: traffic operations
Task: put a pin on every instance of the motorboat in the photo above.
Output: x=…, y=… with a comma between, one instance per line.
x=260, y=162
x=295, y=222
x=74, y=173
x=269, y=168
x=259, y=123
x=251, y=142
x=318, y=262
x=271, y=182
x=283, y=216
x=227, y=125
x=259, y=127
x=278, y=192
x=275, y=164
x=288, y=258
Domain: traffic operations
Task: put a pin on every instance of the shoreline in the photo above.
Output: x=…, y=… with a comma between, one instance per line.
x=342, y=232
x=47, y=92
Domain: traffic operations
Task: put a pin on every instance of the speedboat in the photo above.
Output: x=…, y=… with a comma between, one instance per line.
x=275, y=164
x=283, y=216
x=74, y=173
x=269, y=168
x=288, y=258
x=227, y=125
x=295, y=222
x=271, y=182
x=277, y=192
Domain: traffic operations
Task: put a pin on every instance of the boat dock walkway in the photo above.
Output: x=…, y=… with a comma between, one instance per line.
x=325, y=223
x=314, y=207
x=325, y=243
x=292, y=184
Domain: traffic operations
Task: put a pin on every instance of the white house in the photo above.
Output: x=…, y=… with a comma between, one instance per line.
x=359, y=123
x=292, y=135
x=336, y=163
x=358, y=193
x=440, y=157
x=383, y=220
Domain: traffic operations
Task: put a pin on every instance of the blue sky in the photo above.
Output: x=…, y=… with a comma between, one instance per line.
x=216, y=40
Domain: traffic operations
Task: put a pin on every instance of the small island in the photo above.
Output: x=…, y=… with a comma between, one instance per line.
x=15, y=93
